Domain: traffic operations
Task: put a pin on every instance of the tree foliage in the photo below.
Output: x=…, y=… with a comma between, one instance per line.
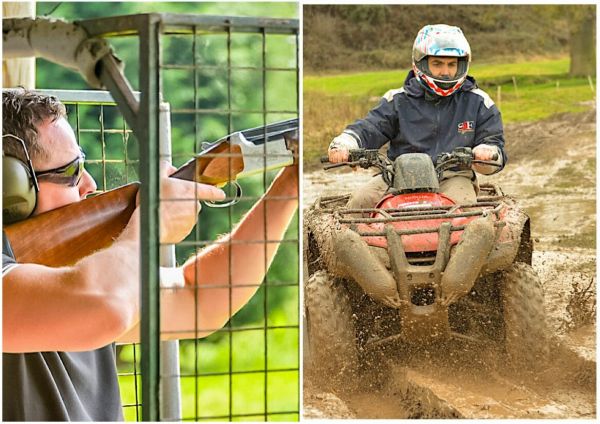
x=353, y=37
x=582, y=28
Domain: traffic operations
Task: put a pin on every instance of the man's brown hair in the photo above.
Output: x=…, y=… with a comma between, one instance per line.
x=22, y=112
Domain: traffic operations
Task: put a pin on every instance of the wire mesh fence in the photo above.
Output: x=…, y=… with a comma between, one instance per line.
x=249, y=369
x=218, y=79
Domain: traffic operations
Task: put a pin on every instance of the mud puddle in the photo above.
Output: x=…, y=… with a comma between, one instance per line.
x=475, y=382
x=467, y=382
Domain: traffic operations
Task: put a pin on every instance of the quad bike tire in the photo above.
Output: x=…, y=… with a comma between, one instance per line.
x=526, y=331
x=330, y=328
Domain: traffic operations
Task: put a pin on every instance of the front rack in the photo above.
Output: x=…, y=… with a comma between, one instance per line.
x=488, y=202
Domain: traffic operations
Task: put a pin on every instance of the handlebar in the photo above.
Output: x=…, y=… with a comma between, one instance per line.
x=365, y=158
x=461, y=158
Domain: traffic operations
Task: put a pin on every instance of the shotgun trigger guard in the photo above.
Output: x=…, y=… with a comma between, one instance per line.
x=238, y=196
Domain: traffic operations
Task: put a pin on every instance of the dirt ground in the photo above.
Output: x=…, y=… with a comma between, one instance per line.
x=551, y=170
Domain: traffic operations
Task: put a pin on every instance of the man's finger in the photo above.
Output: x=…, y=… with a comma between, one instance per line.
x=338, y=155
x=166, y=169
x=208, y=192
x=486, y=155
x=171, y=169
x=487, y=152
x=483, y=153
x=189, y=190
x=331, y=154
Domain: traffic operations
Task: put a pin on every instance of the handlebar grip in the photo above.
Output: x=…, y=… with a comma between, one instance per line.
x=324, y=159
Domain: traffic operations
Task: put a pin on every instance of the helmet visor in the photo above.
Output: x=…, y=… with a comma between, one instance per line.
x=445, y=81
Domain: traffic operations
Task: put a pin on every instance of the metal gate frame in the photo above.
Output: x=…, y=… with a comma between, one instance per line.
x=143, y=116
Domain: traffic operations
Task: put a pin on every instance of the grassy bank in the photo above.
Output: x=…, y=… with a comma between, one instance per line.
x=524, y=91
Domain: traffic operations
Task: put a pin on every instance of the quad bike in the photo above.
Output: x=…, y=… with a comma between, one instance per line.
x=419, y=268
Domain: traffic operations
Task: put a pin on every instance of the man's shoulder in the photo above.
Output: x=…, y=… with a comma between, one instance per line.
x=389, y=95
x=485, y=97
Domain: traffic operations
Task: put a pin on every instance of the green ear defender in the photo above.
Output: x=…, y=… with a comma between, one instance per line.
x=19, y=187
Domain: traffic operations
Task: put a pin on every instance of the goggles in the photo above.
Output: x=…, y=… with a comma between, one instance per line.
x=69, y=174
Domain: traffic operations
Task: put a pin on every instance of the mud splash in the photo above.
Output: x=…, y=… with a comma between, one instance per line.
x=462, y=381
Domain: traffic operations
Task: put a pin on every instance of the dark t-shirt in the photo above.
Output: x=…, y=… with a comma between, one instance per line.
x=58, y=386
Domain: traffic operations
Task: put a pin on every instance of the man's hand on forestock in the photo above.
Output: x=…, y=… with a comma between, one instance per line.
x=340, y=146
x=180, y=204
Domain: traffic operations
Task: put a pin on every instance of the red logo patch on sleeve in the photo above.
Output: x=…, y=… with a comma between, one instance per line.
x=466, y=126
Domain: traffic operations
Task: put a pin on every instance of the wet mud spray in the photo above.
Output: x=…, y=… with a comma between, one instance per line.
x=463, y=379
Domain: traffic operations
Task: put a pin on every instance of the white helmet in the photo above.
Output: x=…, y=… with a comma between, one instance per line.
x=441, y=40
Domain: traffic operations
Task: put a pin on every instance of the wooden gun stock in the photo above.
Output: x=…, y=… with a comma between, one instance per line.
x=65, y=235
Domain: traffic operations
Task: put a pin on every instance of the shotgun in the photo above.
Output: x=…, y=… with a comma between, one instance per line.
x=63, y=236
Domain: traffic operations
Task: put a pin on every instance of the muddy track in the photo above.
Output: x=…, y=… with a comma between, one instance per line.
x=552, y=173
x=466, y=382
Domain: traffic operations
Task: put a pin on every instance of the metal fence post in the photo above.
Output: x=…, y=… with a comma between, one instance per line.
x=170, y=389
x=148, y=119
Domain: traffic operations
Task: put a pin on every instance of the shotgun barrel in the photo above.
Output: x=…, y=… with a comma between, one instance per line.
x=65, y=235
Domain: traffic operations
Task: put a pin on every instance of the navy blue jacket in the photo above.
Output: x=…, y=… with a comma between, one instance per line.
x=418, y=122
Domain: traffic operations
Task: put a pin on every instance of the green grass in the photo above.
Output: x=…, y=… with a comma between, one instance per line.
x=523, y=91
x=378, y=82
x=533, y=101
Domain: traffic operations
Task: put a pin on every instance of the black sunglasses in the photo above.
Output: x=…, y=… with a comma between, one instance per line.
x=69, y=174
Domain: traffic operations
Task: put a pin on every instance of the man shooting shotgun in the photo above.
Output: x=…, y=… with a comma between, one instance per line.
x=60, y=322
